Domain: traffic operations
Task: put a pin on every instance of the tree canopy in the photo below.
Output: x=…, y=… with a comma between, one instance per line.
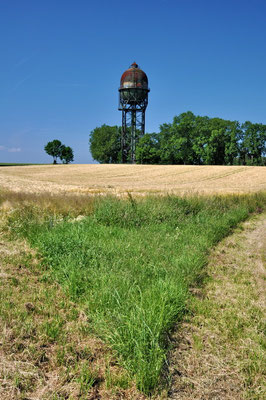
x=189, y=139
x=58, y=150
x=105, y=144
x=53, y=149
x=67, y=155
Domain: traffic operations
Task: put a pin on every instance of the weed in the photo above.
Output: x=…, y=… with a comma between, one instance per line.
x=52, y=329
x=86, y=378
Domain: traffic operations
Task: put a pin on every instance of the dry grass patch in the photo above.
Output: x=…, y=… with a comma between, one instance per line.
x=49, y=204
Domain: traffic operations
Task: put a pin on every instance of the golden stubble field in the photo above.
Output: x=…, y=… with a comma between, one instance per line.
x=138, y=179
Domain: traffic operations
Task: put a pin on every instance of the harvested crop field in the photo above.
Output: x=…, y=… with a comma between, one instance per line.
x=138, y=179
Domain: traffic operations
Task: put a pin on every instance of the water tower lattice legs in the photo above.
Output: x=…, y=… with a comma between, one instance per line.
x=133, y=127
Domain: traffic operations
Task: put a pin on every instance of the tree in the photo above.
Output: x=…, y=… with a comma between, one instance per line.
x=232, y=145
x=54, y=149
x=58, y=150
x=221, y=148
x=105, y=144
x=176, y=140
x=201, y=139
x=253, y=147
x=147, y=149
x=66, y=155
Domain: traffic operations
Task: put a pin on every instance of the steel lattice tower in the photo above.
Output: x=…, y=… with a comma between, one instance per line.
x=133, y=101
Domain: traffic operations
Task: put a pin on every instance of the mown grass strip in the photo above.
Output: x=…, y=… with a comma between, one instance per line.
x=130, y=264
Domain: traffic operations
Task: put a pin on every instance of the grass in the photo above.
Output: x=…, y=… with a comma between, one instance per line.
x=16, y=164
x=129, y=264
x=47, y=351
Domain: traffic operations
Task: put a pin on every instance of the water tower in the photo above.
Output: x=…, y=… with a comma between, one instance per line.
x=133, y=100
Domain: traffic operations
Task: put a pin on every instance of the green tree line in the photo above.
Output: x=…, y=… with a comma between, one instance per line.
x=189, y=139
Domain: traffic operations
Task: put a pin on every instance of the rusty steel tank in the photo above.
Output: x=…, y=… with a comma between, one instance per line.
x=133, y=85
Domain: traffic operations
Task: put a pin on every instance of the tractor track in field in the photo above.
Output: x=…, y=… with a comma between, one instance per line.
x=218, y=351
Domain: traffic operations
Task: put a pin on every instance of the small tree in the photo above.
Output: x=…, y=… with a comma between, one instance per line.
x=66, y=154
x=105, y=144
x=54, y=149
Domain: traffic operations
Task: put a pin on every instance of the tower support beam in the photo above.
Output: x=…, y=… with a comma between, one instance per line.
x=133, y=128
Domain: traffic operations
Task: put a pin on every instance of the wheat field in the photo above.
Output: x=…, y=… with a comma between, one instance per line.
x=138, y=179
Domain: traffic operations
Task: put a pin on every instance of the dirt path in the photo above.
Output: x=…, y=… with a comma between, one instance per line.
x=218, y=351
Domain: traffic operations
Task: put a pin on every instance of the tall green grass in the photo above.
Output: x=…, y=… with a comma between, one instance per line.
x=130, y=264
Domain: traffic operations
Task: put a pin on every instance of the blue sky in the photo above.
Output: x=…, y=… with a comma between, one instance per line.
x=61, y=63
